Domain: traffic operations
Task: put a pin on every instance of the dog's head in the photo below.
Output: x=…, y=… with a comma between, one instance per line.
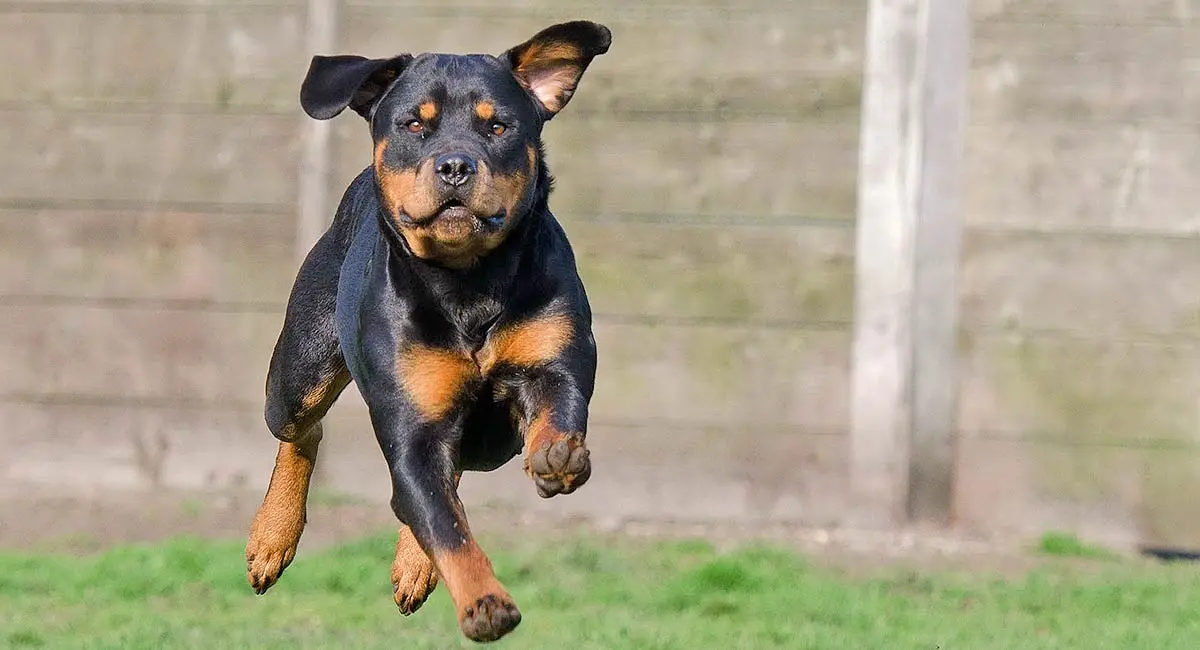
x=458, y=137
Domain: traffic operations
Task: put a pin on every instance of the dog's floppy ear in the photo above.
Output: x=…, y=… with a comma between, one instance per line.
x=551, y=63
x=335, y=82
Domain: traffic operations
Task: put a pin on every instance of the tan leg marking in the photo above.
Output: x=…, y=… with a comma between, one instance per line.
x=276, y=529
x=414, y=575
x=485, y=610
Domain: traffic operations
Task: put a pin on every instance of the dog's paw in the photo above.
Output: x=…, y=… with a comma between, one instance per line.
x=414, y=576
x=265, y=563
x=560, y=467
x=489, y=618
x=271, y=548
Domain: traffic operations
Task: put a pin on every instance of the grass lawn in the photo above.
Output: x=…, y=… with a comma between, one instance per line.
x=598, y=593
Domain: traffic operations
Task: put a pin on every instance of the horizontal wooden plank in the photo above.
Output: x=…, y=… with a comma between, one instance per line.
x=723, y=375
x=1115, y=71
x=1079, y=393
x=157, y=255
x=137, y=7
x=1121, y=497
x=81, y=447
x=1101, y=286
x=817, y=8
x=687, y=475
x=713, y=475
x=136, y=353
x=203, y=158
x=1113, y=10
x=802, y=274
x=1083, y=11
x=665, y=61
x=751, y=61
x=216, y=59
x=727, y=170
x=700, y=375
x=1047, y=175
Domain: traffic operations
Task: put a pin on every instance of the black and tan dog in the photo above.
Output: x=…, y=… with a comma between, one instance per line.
x=447, y=291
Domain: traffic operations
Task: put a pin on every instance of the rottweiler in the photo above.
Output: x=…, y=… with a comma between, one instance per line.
x=446, y=290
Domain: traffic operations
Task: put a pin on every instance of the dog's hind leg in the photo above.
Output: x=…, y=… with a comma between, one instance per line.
x=306, y=374
x=414, y=576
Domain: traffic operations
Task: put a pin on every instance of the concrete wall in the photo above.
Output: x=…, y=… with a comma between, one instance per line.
x=1080, y=406
x=706, y=176
x=149, y=204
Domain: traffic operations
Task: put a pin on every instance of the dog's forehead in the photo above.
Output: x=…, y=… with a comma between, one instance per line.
x=458, y=75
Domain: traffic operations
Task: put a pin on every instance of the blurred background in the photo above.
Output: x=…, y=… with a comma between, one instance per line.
x=158, y=182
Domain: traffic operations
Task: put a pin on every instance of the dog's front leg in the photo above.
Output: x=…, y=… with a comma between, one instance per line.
x=554, y=428
x=422, y=461
x=414, y=577
x=552, y=408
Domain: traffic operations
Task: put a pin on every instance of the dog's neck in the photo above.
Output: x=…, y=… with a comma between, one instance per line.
x=474, y=292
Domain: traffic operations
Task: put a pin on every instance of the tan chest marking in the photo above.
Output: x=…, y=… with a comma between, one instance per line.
x=435, y=379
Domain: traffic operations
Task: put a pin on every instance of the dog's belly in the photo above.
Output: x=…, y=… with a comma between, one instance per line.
x=352, y=286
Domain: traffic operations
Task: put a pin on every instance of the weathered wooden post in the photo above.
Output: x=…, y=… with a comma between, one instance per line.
x=904, y=388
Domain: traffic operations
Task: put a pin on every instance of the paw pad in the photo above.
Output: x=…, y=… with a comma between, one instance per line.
x=559, y=467
x=490, y=618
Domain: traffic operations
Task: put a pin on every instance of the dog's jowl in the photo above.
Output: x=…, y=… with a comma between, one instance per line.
x=448, y=293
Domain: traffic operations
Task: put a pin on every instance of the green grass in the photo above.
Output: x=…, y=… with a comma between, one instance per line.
x=583, y=594
x=1068, y=545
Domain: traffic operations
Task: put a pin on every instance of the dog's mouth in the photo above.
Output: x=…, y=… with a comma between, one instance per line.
x=453, y=210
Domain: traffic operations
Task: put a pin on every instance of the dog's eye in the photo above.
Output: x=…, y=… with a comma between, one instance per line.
x=414, y=126
x=498, y=128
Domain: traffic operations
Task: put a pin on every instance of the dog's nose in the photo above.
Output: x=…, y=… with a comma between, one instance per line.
x=454, y=168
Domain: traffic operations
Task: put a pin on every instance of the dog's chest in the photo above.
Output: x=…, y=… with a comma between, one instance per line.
x=464, y=325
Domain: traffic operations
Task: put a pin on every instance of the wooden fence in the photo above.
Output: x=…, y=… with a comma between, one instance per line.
x=150, y=198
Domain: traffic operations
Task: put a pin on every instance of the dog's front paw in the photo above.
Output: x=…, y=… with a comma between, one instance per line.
x=560, y=467
x=489, y=618
x=274, y=537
